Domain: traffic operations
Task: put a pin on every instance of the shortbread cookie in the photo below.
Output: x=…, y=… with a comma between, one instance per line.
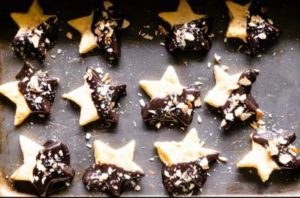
x=250, y=24
x=114, y=170
x=33, y=92
x=37, y=33
x=189, y=31
x=46, y=167
x=101, y=31
x=232, y=95
x=98, y=98
x=170, y=102
x=271, y=151
x=84, y=25
x=186, y=164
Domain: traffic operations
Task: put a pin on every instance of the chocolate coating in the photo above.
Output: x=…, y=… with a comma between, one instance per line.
x=185, y=179
x=38, y=89
x=107, y=30
x=36, y=42
x=240, y=105
x=280, y=146
x=110, y=179
x=176, y=109
x=192, y=36
x=105, y=96
x=52, y=171
x=261, y=32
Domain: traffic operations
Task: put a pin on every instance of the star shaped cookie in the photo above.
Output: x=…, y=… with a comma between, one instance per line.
x=30, y=150
x=168, y=84
x=37, y=33
x=183, y=14
x=187, y=150
x=232, y=95
x=250, y=24
x=185, y=164
x=189, y=31
x=274, y=151
x=46, y=167
x=101, y=31
x=114, y=170
x=225, y=85
x=237, y=27
x=98, y=98
x=264, y=166
x=30, y=20
x=84, y=26
x=33, y=92
x=170, y=101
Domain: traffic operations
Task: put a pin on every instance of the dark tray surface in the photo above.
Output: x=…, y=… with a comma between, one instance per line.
x=276, y=90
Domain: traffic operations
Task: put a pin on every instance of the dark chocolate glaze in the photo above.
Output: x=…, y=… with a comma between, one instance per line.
x=107, y=30
x=24, y=187
x=38, y=89
x=235, y=100
x=169, y=109
x=36, y=42
x=282, y=140
x=192, y=36
x=110, y=179
x=185, y=179
x=52, y=171
x=261, y=32
x=105, y=96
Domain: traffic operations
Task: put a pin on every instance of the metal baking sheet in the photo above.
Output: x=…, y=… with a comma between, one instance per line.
x=277, y=90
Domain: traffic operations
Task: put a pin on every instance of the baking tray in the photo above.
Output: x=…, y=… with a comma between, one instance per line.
x=277, y=90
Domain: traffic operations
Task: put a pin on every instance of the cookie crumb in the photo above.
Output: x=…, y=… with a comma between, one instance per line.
x=88, y=136
x=148, y=37
x=151, y=159
x=212, y=35
x=222, y=159
x=134, y=123
x=270, y=115
x=217, y=58
x=209, y=65
x=69, y=35
x=137, y=188
x=142, y=102
x=199, y=119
